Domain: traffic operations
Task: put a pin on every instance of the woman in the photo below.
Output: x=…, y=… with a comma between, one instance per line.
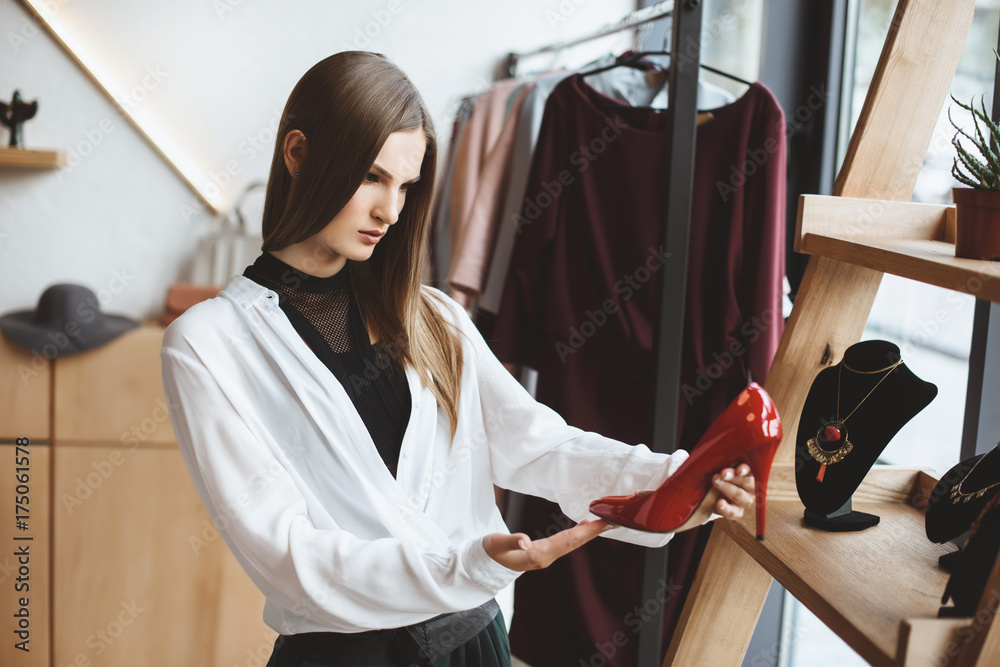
x=344, y=425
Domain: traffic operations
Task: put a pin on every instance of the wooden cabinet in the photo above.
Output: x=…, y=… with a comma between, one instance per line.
x=113, y=394
x=25, y=554
x=126, y=566
x=25, y=490
x=140, y=576
x=25, y=393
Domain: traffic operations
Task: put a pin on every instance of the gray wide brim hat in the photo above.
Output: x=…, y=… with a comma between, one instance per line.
x=68, y=320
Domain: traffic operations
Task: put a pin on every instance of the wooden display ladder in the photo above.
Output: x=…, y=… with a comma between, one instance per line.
x=878, y=589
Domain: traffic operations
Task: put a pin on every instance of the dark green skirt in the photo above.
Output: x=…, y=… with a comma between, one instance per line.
x=387, y=648
x=490, y=648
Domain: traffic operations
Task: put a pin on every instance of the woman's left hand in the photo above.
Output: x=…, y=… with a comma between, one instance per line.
x=737, y=489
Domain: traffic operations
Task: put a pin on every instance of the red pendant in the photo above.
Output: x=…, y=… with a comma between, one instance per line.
x=822, y=471
x=831, y=433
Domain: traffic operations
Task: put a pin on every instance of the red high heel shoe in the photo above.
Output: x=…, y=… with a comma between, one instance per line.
x=748, y=431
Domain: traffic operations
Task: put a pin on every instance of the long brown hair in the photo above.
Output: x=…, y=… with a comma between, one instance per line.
x=346, y=105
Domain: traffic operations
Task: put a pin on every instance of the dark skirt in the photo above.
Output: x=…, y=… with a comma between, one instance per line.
x=387, y=648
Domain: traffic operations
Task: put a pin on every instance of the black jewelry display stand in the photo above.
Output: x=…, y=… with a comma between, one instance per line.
x=949, y=519
x=957, y=500
x=843, y=520
x=876, y=415
x=950, y=561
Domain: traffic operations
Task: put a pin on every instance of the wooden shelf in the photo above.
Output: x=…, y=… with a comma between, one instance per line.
x=23, y=157
x=865, y=586
x=915, y=241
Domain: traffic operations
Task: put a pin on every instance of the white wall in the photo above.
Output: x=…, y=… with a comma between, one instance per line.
x=114, y=219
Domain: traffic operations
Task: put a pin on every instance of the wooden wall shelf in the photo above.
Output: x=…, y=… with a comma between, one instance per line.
x=915, y=241
x=24, y=157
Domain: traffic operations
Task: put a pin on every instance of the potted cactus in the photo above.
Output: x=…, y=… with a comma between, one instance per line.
x=977, y=221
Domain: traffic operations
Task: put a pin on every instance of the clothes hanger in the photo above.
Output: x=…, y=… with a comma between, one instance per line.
x=726, y=74
x=635, y=57
x=632, y=59
x=658, y=74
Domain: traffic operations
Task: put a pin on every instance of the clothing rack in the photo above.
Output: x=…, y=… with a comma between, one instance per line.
x=633, y=20
x=681, y=128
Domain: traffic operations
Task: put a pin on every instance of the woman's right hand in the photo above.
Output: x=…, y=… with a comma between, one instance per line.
x=519, y=553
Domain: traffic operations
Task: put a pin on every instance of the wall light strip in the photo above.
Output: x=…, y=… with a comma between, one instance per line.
x=190, y=173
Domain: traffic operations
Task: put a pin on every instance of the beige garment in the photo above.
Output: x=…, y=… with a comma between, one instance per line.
x=470, y=259
x=479, y=135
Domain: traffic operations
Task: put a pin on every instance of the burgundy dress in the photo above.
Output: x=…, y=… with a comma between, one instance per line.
x=580, y=304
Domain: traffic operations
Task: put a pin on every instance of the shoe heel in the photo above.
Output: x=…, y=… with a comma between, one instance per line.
x=759, y=461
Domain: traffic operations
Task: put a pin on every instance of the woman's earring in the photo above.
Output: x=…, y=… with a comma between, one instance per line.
x=297, y=172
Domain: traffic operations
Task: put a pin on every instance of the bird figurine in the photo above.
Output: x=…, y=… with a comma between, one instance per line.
x=13, y=116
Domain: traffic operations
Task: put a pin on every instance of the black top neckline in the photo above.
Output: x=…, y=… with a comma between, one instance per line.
x=323, y=311
x=278, y=271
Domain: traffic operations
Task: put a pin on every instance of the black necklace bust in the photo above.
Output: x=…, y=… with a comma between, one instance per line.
x=851, y=413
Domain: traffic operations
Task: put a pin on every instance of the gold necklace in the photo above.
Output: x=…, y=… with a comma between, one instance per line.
x=874, y=372
x=958, y=496
x=834, y=431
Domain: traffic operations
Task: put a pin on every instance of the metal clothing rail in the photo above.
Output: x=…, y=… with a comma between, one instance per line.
x=682, y=117
x=681, y=121
x=633, y=20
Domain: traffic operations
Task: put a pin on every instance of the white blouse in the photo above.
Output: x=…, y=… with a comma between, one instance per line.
x=291, y=478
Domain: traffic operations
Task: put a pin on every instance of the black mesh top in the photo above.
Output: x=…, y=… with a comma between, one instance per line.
x=327, y=318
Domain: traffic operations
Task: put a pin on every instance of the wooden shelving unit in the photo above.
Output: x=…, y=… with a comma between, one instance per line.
x=878, y=589
x=23, y=157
